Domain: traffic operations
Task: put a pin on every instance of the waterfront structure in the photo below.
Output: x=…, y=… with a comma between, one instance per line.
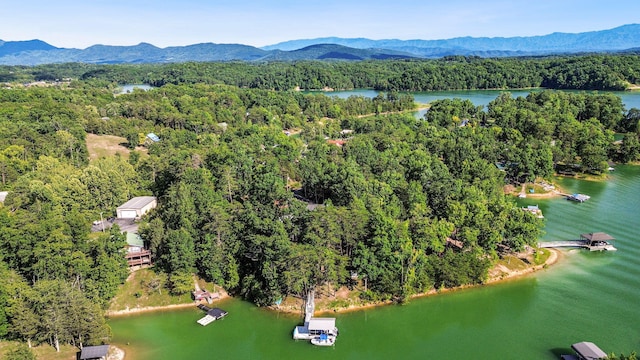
x=212, y=315
x=595, y=241
x=321, y=331
x=578, y=197
x=598, y=241
x=535, y=210
x=586, y=351
x=202, y=294
x=99, y=352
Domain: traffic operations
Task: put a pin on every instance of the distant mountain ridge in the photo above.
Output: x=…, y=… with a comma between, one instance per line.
x=619, y=38
x=35, y=52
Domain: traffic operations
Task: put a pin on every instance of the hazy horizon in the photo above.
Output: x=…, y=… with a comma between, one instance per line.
x=73, y=24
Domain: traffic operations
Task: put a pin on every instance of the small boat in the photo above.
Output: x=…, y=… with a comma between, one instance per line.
x=324, y=340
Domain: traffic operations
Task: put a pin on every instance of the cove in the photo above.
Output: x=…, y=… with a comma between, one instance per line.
x=585, y=297
x=630, y=99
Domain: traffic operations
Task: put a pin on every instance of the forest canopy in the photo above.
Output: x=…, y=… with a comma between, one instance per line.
x=270, y=193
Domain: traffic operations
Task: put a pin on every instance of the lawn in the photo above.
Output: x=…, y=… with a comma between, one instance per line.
x=108, y=145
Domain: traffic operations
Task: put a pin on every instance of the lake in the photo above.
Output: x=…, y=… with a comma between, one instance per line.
x=128, y=88
x=631, y=99
x=585, y=297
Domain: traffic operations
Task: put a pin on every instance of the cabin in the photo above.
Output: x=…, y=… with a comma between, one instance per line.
x=99, y=352
x=151, y=138
x=136, y=254
x=585, y=351
x=597, y=241
x=136, y=207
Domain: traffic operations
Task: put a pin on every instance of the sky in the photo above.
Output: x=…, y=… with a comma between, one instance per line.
x=82, y=23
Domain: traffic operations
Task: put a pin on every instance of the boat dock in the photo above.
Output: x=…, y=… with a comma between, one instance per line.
x=577, y=197
x=585, y=350
x=212, y=315
x=597, y=241
x=321, y=331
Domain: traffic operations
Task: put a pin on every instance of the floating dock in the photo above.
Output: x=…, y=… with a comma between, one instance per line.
x=212, y=315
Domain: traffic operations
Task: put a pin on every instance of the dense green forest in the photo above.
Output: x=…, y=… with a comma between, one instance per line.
x=586, y=72
x=237, y=167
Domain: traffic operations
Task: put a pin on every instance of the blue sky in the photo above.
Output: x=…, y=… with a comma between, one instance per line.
x=81, y=23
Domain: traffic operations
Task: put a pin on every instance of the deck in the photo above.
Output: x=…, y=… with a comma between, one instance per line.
x=139, y=258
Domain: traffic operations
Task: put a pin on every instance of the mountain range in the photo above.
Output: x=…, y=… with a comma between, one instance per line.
x=35, y=52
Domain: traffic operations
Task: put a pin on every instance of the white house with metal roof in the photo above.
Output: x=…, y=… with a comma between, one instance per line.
x=136, y=207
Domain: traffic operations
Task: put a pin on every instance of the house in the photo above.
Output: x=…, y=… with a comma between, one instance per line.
x=136, y=207
x=94, y=352
x=134, y=242
x=151, y=138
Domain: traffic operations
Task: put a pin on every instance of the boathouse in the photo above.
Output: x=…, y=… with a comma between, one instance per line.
x=579, y=197
x=586, y=351
x=597, y=241
x=212, y=315
x=94, y=352
x=318, y=326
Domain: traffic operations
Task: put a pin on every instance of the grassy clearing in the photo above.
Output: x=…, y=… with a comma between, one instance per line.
x=108, y=145
x=145, y=288
x=148, y=288
x=43, y=352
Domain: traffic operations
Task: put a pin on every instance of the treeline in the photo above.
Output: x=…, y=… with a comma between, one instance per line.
x=586, y=72
x=407, y=204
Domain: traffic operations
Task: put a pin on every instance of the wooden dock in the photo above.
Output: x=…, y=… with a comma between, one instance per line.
x=562, y=243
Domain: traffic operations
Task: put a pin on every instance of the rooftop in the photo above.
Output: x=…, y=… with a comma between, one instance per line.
x=137, y=202
x=323, y=324
x=589, y=350
x=94, y=352
x=597, y=236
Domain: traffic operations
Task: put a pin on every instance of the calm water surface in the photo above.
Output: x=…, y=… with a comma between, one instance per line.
x=631, y=99
x=585, y=297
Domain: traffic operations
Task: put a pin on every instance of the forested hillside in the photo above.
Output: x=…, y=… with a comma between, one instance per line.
x=409, y=204
x=588, y=72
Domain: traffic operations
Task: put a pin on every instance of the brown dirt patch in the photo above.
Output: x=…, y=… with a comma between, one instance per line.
x=108, y=145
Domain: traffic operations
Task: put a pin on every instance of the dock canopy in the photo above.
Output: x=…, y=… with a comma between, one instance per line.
x=322, y=324
x=588, y=351
x=94, y=352
x=597, y=236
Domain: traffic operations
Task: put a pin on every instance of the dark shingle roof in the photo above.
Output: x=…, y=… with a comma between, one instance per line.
x=94, y=352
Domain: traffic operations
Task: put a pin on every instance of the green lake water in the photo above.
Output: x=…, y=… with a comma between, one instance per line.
x=584, y=297
x=630, y=99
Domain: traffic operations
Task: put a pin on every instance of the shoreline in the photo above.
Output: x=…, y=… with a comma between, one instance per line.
x=148, y=309
x=504, y=275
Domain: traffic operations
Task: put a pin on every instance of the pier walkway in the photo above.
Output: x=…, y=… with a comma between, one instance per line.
x=593, y=241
